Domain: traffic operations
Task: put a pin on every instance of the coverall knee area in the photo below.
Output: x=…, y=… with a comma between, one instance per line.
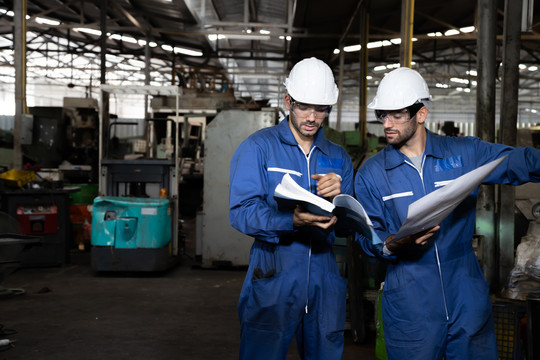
x=272, y=310
x=437, y=344
x=423, y=321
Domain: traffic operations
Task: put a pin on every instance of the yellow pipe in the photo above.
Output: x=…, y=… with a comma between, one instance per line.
x=407, y=18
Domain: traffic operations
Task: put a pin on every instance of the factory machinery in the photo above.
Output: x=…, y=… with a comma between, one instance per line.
x=53, y=139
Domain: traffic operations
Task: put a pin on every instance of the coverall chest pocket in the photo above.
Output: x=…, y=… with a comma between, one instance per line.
x=326, y=164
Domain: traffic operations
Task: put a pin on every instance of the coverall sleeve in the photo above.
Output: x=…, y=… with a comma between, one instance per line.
x=521, y=165
x=250, y=211
x=366, y=193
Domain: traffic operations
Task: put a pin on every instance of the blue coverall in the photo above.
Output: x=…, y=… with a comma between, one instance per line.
x=435, y=299
x=306, y=295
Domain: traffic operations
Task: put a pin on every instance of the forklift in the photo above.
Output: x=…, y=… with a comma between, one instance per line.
x=135, y=216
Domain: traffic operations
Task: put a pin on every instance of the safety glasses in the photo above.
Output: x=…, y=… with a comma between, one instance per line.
x=398, y=116
x=302, y=110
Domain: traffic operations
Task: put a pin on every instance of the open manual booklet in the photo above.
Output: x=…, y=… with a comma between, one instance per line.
x=350, y=214
x=423, y=214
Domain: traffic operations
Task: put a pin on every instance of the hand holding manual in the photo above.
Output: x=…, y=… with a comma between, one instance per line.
x=350, y=213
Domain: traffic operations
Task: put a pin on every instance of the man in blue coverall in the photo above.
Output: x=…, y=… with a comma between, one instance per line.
x=293, y=286
x=435, y=300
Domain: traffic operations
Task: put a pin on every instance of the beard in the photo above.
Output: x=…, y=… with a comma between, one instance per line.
x=401, y=137
x=299, y=125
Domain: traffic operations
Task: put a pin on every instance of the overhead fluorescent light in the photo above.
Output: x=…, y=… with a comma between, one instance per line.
x=189, y=52
x=181, y=50
x=214, y=37
x=7, y=12
x=352, y=48
x=142, y=42
x=451, y=32
x=88, y=31
x=372, y=45
x=45, y=21
x=124, y=38
x=467, y=29
x=261, y=37
x=459, y=80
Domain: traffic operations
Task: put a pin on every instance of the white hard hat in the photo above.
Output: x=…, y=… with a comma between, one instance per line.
x=311, y=82
x=402, y=87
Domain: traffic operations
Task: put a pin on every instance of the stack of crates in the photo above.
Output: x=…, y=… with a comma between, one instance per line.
x=508, y=318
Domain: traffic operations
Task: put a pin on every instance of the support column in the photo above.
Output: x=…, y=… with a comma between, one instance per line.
x=508, y=129
x=407, y=24
x=485, y=130
x=363, y=61
x=147, y=57
x=19, y=41
x=104, y=110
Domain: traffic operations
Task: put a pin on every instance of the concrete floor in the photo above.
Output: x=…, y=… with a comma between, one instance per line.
x=71, y=313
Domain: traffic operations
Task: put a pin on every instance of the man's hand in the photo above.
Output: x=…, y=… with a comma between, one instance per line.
x=420, y=238
x=328, y=185
x=303, y=218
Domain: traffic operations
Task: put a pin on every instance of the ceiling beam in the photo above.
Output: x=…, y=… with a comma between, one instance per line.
x=143, y=28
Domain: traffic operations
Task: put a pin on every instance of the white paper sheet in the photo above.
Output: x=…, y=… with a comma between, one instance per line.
x=430, y=210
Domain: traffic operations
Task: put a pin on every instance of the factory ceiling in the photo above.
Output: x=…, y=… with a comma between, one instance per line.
x=249, y=45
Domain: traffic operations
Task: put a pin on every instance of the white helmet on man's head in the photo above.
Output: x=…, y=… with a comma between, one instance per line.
x=399, y=89
x=311, y=82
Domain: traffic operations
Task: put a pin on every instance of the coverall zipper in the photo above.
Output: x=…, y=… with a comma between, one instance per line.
x=442, y=284
x=420, y=172
x=309, y=251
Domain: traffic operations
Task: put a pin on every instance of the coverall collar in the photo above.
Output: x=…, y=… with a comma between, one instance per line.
x=393, y=157
x=287, y=136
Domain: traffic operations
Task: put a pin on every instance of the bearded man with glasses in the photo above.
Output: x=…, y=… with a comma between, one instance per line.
x=435, y=301
x=293, y=286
